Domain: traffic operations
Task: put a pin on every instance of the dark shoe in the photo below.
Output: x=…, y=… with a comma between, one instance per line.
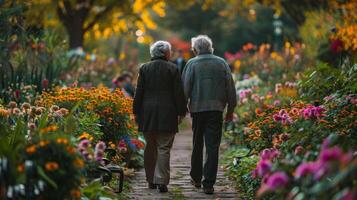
x=196, y=184
x=162, y=188
x=208, y=190
x=152, y=186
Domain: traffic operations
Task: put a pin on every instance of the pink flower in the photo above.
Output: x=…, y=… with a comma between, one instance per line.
x=263, y=167
x=349, y=195
x=277, y=117
x=305, y=169
x=84, y=144
x=298, y=150
x=256, y=98
x=277, y=102
x=332, y=154
x=269, y=154
x=277, y=180
x=354, y=100
x=100, y=145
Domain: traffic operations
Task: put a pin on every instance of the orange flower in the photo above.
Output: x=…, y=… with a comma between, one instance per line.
x=31, y=149
x=51, y=166
x=78, y=163
x=43, y=143
x=70, y=150
x=62, y=141
x=21, y=168
x=75, y=193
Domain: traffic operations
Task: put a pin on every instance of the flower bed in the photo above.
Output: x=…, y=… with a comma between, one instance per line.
x=56, y=135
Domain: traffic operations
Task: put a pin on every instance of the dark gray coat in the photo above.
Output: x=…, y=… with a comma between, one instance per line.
x=159, y=97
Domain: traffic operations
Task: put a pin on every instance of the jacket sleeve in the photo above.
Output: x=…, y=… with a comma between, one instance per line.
x=139, y=93
x=187, y=80
x=180, y=100
x=231, y=91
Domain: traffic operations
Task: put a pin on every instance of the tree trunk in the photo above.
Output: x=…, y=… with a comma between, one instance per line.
x=76, y=36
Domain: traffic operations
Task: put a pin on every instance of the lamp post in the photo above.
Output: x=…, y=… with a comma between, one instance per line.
x=278, y=32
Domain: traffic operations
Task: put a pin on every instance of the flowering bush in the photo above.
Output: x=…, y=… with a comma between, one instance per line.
x=330, y=174
x=269, y=65
x=112, y=108
x=55, y=156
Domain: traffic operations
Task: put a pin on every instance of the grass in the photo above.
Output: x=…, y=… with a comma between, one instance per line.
x=177, y=193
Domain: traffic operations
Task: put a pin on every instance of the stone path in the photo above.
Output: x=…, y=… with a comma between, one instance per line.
x=180, y=187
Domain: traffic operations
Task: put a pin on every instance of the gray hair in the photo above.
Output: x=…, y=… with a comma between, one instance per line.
x=202, y=44
x=160, y=48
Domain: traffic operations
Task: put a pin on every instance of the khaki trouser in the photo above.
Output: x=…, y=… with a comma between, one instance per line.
x=157, y=157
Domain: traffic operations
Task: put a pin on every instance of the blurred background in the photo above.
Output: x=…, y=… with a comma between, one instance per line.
x=91, y=42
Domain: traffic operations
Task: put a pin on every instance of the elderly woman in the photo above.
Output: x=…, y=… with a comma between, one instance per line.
x=209, y=86
x=159, y=105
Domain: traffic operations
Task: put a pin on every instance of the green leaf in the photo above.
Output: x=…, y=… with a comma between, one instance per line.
x=45, y=177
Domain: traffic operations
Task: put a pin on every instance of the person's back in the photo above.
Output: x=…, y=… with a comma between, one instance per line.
x=158, y=106
x=159, y=77
x=210, y=76
x=208, y=85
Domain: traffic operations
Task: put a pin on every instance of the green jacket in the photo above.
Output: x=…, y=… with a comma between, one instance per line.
x=208, y=84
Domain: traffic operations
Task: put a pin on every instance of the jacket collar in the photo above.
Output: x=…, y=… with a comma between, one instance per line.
x=159, y=58
x=205, y=53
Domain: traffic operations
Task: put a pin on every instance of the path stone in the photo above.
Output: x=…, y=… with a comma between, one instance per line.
x=180, y=187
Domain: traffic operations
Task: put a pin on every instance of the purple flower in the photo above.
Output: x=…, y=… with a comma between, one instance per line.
x=277, y=180
x=277, y=102
x=269, y=154
x=263, y=167
x=331, y=154
x=84, y=144
x=305, y=169
x=277, y=117
x=100, y=145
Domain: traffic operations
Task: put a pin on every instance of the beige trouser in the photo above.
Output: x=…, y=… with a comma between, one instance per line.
x=157, y=157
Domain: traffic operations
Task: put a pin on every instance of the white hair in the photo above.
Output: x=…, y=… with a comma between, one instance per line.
x=160, y=48
x=202, y=44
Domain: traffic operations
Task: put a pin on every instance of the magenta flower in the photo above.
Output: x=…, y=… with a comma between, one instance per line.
x=332, y=154
x=84, y=144
x=269, y=154
x=277, y=180
x=277, y=102
x=263, y=167
x=305, y=169
x=277, y=117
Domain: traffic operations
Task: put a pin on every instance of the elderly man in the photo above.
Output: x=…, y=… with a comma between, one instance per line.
x=159, y=105
x=209, y=87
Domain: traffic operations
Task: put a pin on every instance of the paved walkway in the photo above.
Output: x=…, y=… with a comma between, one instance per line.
x=180, y=187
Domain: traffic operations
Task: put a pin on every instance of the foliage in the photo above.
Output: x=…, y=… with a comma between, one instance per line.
x=96, y=19
x=112, y=108
x=269, y=65
x=324, y=80
x=57, y=162
x=240, y=164
x=33, y=64
x=322, y=175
